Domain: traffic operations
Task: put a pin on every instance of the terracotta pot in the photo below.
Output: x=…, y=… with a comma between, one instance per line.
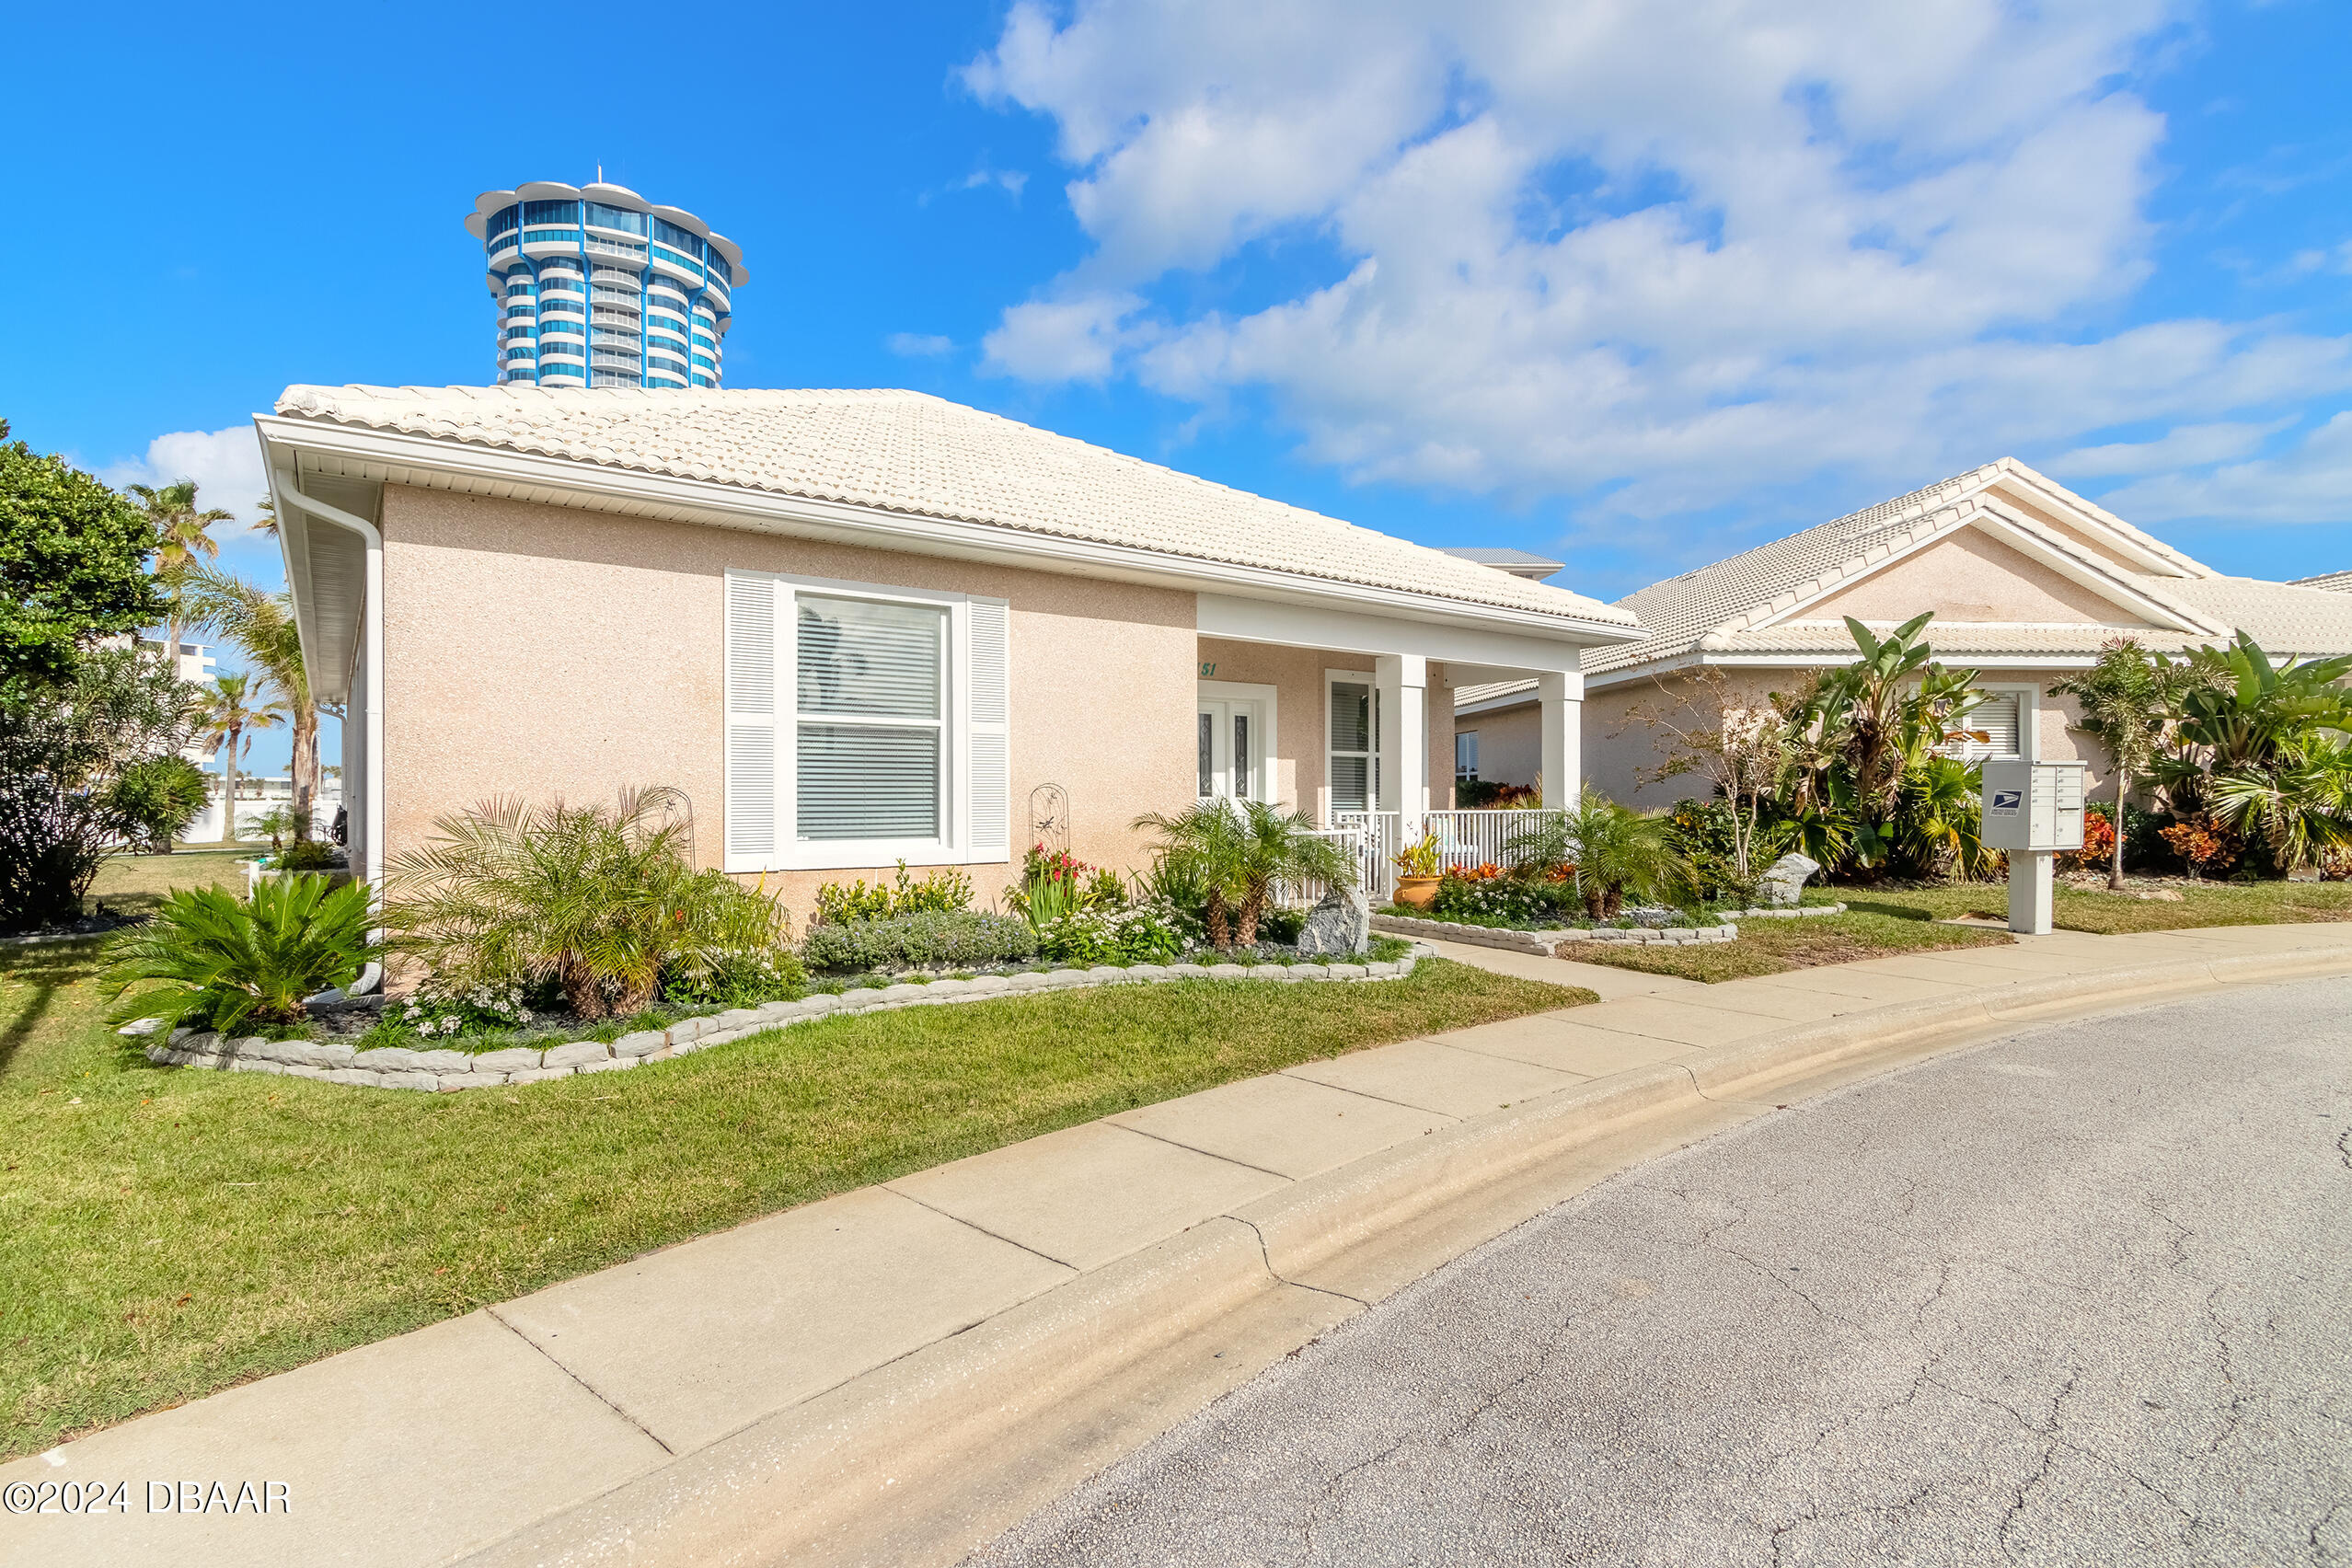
x=1419, y=892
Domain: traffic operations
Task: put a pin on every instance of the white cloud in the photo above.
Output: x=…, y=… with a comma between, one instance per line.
x=1062, y=340
x=225, y=465
x=1663, y=254
x=2184, y=447
x=2310, y=483
x=918, y=345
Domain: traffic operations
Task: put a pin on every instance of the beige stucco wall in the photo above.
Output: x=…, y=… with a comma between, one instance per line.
x=1970, y=577
x=1510, y=743
x=543, y=652
x=1298, y=675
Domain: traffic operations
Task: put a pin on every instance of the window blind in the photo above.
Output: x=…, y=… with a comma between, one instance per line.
x=1351, y=746
x=1996, y=716
x=884, y=664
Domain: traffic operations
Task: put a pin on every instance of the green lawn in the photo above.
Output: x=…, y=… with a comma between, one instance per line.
x=2087, y=909
x=1773, y=947
x=166, y=1232
x=1881, y=922
x=136, y=883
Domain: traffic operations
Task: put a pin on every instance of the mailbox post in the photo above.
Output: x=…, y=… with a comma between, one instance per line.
x=2034, y=810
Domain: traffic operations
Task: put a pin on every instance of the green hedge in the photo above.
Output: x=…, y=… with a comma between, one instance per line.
x=961, y=940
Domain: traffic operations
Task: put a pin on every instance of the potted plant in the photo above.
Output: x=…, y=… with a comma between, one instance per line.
x=1418, y=871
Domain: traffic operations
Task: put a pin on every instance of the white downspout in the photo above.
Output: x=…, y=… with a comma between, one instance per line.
x=371, y=695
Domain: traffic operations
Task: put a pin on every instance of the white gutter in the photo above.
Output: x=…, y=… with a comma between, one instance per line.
x=371, y=695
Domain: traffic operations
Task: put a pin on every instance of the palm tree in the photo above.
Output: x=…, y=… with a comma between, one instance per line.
x=1236, y=851
x=234, y=712
x=183, y=533
x=262, y=624
x=1615, y=852
x=1876, y=720
x=2262, y=747
x=2130, y=699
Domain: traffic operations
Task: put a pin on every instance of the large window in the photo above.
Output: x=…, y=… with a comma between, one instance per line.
x=1353, y=755
x=864, y=724
x=1465, y=756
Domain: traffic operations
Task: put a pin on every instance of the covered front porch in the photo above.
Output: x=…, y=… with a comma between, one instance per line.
x=1350, y=719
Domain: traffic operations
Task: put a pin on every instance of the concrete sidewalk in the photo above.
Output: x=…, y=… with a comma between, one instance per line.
x=1103, y=1281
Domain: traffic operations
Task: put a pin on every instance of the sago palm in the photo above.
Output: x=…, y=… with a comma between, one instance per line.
x=210, y=957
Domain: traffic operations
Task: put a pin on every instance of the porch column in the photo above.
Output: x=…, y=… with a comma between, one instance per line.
x=1404, y=682
x=1559, y=695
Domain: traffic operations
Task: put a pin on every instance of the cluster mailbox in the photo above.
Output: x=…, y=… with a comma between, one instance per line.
x=2032, y=807
x=2034, y=810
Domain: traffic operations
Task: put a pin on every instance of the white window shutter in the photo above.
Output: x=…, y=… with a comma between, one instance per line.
x=750, y=721
x=990, y=729
x=1998, y=717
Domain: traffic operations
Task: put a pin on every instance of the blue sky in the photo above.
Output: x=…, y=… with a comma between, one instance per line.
x=1636, y=286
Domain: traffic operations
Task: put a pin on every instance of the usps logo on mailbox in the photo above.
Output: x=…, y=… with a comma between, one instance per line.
x=2005, y=801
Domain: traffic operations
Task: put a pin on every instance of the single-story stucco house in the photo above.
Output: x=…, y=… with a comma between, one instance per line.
x=862, y=627
x=2026, y=579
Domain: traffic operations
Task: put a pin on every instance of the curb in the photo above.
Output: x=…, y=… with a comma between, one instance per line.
x=973, y=1432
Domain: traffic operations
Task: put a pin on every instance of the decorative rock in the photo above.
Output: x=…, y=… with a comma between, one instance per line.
x=579, y=1053
x=202, y=1045
x=513, y=1059
x=140, y=1028
x=644, y=1043
x=1649, y=916
x=179, y=1035
x=1784, y=881
x=1340, y=925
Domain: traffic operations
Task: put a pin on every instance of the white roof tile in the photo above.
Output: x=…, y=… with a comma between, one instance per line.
x=913, y=453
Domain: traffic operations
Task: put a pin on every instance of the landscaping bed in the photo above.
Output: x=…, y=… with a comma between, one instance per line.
x=171, y=1232
x=1519, y=938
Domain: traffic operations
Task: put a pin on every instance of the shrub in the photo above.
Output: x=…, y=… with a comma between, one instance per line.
x=157, y=798
x=218, y=961
x=437, y=1008
x=1616, y=851
x=599, y=902
x=307, y=855
x=943, y=891
x=959, y=940
x=2098, y=844
x=1489, y=893
x=1141, y=934
x=741, y=981
x=2204, y=845
x=1704, y=834
x=61, y=747
x=1481, y=794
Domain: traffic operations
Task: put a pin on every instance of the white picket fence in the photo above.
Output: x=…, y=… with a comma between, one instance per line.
x=1464, y=839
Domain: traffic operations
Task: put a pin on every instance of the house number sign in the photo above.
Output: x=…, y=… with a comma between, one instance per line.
x=1208, y=670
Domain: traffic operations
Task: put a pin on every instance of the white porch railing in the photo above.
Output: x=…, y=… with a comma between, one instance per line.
x=1464, y=839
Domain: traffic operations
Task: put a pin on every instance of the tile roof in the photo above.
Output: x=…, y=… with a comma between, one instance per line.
x=910, y=452
x=2334, y=582
x=1721, y=605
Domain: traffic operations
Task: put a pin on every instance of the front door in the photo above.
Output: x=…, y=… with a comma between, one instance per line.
x=1232, y=742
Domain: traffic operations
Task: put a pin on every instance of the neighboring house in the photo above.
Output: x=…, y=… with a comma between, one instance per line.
x=2026, y=579
x=256, y=798
x=2334, y=582
x=861, y=627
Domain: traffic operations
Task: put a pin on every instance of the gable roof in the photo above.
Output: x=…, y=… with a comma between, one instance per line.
x=1751, y=606
x=915, y=454
x=2334, y=582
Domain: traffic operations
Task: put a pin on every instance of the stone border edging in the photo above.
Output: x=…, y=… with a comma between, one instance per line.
x=1787, y=912
x=448, y=1071
x=1542, y=943
x=794, y=1483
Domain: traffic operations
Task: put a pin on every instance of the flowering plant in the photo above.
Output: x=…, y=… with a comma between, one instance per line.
x=1143, y=934
x=438, y=1006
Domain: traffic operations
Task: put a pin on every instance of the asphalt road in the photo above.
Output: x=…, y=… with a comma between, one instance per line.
x=2081, y=1296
